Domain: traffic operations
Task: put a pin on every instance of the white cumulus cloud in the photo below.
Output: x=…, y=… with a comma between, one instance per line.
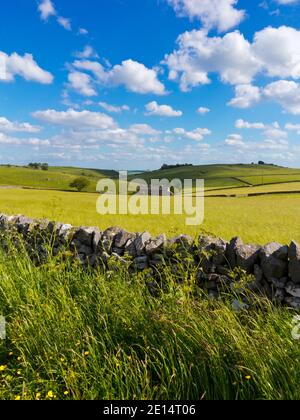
x=46, y=9
x=23, y=66
x=75, y=119
x=114, y=109
x=153, y=108
x=81, y=83
x=221, y=14
x=10, y=126
x=134, y=76
x=274, y=52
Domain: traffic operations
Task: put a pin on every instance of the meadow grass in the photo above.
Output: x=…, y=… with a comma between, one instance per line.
x=75, y=334
x=57, y=178
x=227, y=175
x=270, y=188
x=255, y=219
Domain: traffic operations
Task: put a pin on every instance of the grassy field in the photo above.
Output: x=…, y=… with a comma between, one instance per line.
x=73, y=334
x=268, y=189
x=228, y=175
x=58, y=178
x=256, y=219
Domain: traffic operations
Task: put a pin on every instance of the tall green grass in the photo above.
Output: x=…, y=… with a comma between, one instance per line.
x=77, y=334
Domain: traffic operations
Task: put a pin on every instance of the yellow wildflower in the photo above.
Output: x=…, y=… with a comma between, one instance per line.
x=2, y=368
x=86, y=353
x=248, y=377
x=18, y=398
x=50, y=394
x=66, y=393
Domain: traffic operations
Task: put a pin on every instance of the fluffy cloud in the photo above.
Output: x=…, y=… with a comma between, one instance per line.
x=274, y=52
x=136, y=77
x=88, y=52
x=221, y=14
x=83, y=31
x=153, y=108
x=9, y=126
x=46, y=9
x=143, y=129
x=23, y=66
x=114, y=109
x=202, y=110
x=197, y=135
x=286, y=93
x=65, y=23
x=81, y=83
x=235, y=140
x=241, y=124
x=75, y=119
x=15, y=141
x=245, y=96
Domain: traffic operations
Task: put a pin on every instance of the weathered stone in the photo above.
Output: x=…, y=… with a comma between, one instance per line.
x=4, y=222
x=274, y=268
x=258, y=273
x=96, y=239
x=231, y=251
x=23, y=224
x=214, y=249
x=65, y=232
x=130, y=248
x=155, y=245
x=247, y=257
x=274, y=260
x=140, y=243
x=279, y=295
x=294, y=265
x=108, y=238
x=276, y=250
x=122, y=238
x=293, y=302
x=279, y=283
x=118, y=251
x=293, y=290
x=185, y=241
x=142, y=262
x=80, y=248
x=85, y=235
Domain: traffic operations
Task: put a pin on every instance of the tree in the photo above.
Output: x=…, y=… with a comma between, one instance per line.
x=44, y=167
x=80, y=183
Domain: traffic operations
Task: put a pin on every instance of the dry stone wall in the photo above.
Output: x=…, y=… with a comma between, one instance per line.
x=273, y=269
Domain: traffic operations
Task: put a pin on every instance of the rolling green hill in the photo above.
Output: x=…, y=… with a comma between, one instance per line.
x=57, y=178
x=220, y=176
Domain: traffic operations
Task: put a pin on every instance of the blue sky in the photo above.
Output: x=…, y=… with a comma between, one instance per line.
x=130, y=84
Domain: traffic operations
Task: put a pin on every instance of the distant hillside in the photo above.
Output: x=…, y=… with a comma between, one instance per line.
x=57, y=178
x=219, y=176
